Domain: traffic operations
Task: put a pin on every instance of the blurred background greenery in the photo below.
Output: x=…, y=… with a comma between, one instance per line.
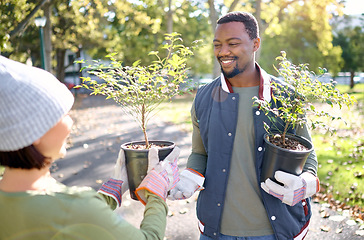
x=325, y=33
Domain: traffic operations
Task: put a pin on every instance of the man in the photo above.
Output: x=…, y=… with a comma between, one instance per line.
x=227, y=149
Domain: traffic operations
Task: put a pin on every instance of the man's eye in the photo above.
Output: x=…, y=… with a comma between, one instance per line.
x=233, y=44
x=217, y=45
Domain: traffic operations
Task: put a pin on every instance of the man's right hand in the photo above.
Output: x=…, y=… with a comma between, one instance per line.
x=190, y=182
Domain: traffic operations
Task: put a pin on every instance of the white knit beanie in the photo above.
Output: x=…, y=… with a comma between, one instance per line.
x=32, y=101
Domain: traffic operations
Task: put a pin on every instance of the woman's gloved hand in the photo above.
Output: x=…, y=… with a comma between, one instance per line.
x=162, y=178
x=117, y=185
x=294, y=189
x=190, y=182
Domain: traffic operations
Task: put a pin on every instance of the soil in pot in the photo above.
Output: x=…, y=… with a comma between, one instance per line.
x=136, y=160
x=285, y=158
x=290, y=143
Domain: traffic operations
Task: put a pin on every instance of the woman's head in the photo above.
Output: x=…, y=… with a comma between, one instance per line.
x=32, y=103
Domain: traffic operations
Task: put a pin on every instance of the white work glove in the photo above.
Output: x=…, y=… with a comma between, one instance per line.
x=295, y=189
x=163, y=177
x=190, y=181
x=118, y=184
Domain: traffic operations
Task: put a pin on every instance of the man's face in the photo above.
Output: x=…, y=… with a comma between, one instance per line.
x=233, y=48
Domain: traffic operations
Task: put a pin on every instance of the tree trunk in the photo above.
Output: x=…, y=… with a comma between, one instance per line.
x=23, y=24
x=47, y=38
x=258, y=12
x=60, y=54
x=213, y=19
x=233, y=5
x=169, y=17
x=352, y=74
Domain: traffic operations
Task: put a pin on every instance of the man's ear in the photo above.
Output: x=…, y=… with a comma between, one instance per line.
x=256, y=44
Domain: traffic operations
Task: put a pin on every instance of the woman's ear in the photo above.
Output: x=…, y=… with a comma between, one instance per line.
x=36, y=142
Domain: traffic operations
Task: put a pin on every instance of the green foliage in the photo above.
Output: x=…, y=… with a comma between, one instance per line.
x=302, y=29
x=352, y=43
x=12, y=13
x=140, y=89
x=295, y=98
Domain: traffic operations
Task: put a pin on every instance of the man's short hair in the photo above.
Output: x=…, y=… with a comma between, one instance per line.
x=249, y=21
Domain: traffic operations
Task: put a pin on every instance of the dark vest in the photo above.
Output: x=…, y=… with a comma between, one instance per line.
x=217, y=113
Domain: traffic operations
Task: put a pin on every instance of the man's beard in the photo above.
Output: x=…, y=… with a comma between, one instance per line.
x=233, y=73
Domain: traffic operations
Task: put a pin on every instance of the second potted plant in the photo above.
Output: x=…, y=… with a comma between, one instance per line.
x=292, y=106
x=139, y=90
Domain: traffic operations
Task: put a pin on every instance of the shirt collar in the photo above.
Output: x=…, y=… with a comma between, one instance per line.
x=264, y=85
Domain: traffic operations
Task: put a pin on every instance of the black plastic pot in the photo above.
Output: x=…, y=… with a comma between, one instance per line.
x=277, y=158
x=136, y=161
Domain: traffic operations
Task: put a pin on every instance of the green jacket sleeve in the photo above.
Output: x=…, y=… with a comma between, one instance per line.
x=311, y=162
x=198, y=157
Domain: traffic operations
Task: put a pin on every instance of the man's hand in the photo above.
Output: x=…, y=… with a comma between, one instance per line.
x=294, y=189
x=190, y=181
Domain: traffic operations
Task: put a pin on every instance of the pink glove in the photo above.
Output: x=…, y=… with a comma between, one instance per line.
x=162, y=178
x=190, y=182
x=117, y=185
x=295, y=189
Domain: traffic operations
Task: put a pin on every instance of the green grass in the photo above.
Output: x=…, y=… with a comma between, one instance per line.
x=341, y=168
x=357, y=91
x=341, y=164
x=178, y=112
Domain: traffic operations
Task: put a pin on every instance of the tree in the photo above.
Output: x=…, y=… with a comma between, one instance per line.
x=351, y=40
x=14, y=24
x=130, y=28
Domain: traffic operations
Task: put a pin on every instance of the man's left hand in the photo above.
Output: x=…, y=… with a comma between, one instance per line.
x=294, y=189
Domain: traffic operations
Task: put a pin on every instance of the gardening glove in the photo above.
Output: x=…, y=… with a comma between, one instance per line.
x=294, y=189
x=117, y=185
x=190, y=182
x=162, y=178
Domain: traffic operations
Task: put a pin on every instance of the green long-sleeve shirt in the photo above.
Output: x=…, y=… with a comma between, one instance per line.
x=70, y=213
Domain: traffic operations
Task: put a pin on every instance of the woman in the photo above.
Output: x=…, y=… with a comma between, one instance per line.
x=34, y=126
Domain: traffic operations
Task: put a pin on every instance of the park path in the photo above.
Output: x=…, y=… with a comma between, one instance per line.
x=99, y=130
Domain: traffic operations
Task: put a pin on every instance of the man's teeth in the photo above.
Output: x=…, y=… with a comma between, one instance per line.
x=227, y=61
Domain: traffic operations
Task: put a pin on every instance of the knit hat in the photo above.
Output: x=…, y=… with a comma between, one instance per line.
x=32, y=101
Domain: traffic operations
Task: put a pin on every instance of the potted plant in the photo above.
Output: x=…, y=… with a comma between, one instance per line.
x=292, y=106
x=139, y=90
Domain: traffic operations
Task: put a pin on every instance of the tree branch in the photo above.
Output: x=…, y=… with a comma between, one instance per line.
x=233, y=5
x=23, y=24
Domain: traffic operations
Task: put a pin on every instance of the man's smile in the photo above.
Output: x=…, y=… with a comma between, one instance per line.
x=227, y=62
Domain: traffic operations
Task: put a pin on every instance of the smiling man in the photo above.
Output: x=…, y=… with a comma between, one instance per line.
x=227, y=149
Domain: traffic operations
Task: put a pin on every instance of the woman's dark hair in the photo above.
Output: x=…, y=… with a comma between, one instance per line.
x=249, y=21
x=25, y=158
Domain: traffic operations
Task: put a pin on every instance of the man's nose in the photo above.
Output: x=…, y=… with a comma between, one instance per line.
x=224, y=50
